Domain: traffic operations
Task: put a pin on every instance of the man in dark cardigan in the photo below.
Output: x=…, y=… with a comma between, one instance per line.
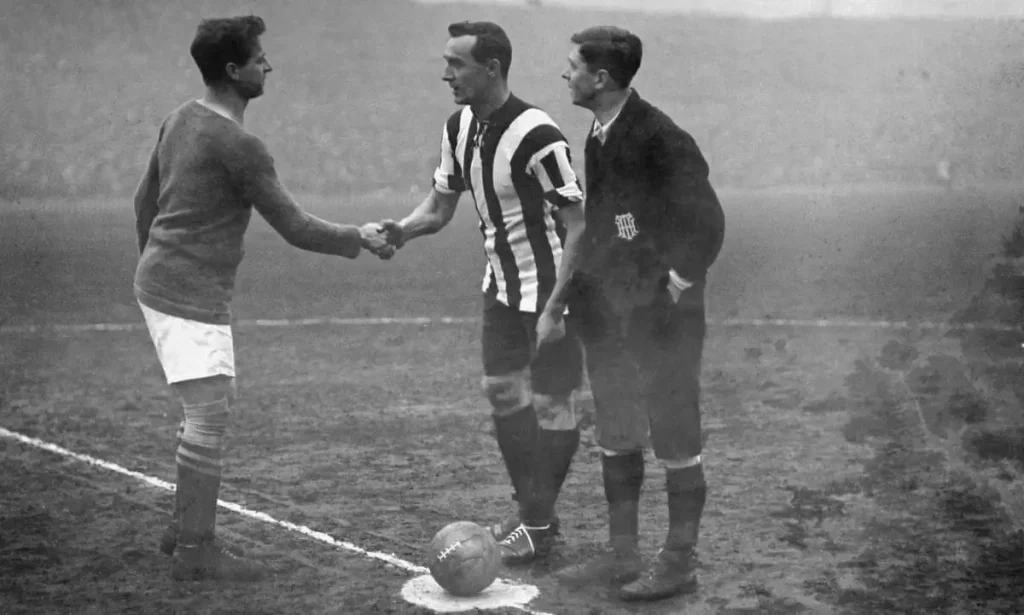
x=654, y=228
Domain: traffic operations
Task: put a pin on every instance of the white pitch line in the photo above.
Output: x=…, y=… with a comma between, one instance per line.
x=823, y=323
x=855, y=323
x=387, y=558
x=258, y=322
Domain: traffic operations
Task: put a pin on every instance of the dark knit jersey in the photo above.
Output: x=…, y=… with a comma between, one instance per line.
x=650, y=205
x=193, y=206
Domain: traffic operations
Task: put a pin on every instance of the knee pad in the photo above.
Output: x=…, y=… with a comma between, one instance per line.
x=206, y=423
x=555, y=412
x=508, y=393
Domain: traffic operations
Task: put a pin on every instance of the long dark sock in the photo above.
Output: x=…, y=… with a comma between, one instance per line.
x=623, y=478
x=687, y=493
x=516, y=434
x=552, y=459
x=198, y=495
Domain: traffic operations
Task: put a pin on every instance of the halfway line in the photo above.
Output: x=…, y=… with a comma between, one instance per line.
x=823, y=323
x=252, y=514
x=258, y=322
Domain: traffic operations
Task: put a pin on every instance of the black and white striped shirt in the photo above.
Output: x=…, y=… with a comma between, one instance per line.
x=517, y=167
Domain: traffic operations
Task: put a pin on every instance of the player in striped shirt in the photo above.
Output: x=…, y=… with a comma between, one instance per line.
x=515, y=163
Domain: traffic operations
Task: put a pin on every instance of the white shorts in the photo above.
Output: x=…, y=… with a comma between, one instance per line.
x=188, y=349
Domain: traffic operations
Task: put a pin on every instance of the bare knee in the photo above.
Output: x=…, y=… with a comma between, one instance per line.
x=206, y=390
x=508, y=393
x=207, y=406
x=681, y=463
x=607, y=452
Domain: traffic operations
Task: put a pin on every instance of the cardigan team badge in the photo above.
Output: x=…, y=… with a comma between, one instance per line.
x=626, y=224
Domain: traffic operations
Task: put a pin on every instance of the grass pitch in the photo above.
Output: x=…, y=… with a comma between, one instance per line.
x=852, y=470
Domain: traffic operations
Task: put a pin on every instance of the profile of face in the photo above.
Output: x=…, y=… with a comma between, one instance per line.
x=250, y=78
x=583, y=84
x=469, y=80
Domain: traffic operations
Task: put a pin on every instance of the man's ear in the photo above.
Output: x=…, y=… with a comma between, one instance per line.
x=494, y=67
x=603, y=80
x=231, y=70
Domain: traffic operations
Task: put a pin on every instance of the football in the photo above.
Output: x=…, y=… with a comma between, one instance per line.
x=464, y=558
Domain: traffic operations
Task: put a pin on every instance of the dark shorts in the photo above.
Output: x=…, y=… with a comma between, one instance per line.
x=644, y=370
x=509, y=343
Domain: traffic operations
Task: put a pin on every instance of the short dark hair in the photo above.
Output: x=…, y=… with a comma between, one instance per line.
x=491, y=42
x=613, y=49
x=224, y=40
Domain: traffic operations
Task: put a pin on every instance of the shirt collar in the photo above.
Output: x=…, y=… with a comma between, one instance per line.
x=601, y=132
x=505, y=114
x=219, y=110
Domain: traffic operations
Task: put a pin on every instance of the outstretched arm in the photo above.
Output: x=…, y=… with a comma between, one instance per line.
x=299, y=228
x=437, y=209
x=429, y=217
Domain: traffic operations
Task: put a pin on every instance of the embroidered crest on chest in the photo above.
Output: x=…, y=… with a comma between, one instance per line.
x=626, y=225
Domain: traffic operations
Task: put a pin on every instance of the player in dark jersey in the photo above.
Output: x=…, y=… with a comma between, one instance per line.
x=204, y=177
x=515, y=163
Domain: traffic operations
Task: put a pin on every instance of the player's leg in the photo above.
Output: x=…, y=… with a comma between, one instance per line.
x=556, y=373
x=207, y=406
x=506, y=358
x=169, y=539
x=621, y=432
x=198, y=361
x=670, y=360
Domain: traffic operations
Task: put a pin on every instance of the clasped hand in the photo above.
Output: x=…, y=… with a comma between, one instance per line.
x=382, y=238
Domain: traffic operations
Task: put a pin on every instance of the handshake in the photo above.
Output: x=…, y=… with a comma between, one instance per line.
x=382, y=238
